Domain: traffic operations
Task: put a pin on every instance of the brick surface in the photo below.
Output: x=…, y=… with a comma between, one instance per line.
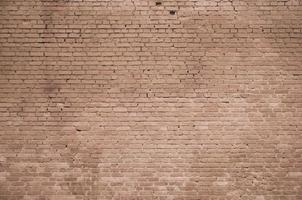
x=145, y=99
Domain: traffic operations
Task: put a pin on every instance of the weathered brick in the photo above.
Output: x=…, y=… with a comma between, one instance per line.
x=150, y=99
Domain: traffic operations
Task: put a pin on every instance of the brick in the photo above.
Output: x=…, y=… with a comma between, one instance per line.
x=150, y=99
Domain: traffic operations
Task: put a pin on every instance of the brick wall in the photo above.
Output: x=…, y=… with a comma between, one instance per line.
x=145, y=99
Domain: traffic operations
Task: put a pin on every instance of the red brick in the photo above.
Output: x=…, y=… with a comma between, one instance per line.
x=150, y=99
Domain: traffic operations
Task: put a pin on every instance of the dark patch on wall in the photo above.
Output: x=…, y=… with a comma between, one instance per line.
x=172, y=12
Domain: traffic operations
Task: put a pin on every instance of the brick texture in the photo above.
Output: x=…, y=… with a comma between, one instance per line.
x=146, y=99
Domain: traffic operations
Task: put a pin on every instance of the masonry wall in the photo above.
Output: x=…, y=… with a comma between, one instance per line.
x=145, y=99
